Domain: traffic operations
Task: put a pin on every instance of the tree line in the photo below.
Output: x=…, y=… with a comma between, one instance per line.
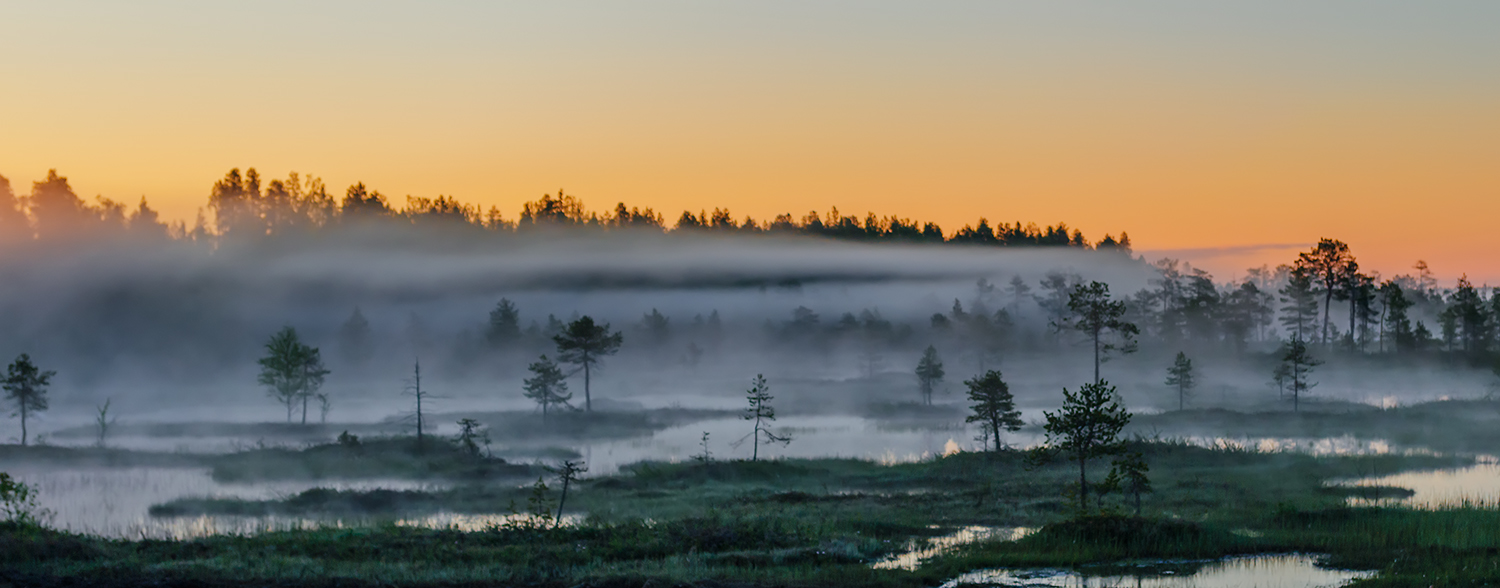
x=245, y=207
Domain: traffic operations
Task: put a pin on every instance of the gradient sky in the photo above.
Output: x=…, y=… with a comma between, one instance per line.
x=1194, y=125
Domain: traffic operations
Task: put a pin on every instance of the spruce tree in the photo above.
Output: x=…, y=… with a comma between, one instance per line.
x=504, y=327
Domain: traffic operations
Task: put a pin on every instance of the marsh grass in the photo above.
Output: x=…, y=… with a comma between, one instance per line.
x=818, y=522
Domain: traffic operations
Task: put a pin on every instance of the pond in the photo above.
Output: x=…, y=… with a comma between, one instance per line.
x=917, y=551
x=1261, y=571
x=812, y=437
x=1477, y=485
x=113, y=502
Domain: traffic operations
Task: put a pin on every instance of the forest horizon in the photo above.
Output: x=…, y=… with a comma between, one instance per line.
x=53, y=201
x=749, y=294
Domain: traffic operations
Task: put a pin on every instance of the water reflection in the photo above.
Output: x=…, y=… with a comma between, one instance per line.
x=813, y=437
x=113, y=502
x=1266, y=571
x=1477, y=485
x=917, y=551
x=1342, y=445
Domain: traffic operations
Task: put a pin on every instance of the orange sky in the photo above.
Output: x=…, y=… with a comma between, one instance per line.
x=1192, y=126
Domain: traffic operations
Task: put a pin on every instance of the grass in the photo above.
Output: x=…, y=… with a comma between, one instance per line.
x=807, y=523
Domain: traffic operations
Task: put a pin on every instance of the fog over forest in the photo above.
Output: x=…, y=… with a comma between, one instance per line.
x=835, y=310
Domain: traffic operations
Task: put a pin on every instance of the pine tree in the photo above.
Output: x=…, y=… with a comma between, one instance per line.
x=761, y=411
x=1328, y=264
x=548, y=386
x=1128, y=474
x=1095, y=315
x=585, y=344
x=26, y=385
x=1088, y=426
x=1394, y=322
x=1181, y=377
x=567, y=473
x=1298, y=364
x=929, y=373
x=291, y=371
x=1299, y=300
x=994, y=407
x=470, y=434
x=1472, y=319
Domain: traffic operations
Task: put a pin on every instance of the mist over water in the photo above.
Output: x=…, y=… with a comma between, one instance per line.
x=170, y=332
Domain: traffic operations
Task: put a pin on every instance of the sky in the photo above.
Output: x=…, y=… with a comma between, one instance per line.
x=1228, y=133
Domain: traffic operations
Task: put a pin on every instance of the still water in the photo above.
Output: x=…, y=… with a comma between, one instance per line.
x=1477, y=485
x=1264, y=571
x=113, y=502
x=920, y=550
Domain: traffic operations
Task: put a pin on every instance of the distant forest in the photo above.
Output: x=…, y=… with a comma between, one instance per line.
x=1321, y=298
x=240, y=207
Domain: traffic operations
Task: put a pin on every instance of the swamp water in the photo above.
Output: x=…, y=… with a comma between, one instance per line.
x=1263, y=571
x=920, y=550
x=113, y=502
x=1476, y=485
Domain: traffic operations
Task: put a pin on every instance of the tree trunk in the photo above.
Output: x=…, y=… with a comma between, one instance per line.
x=1327, y=311
x=588, y=401
x=23, y=421
x=1296, y=387
x=1083, y=485
x=1353, y=336
x=560, y=502
x=304, y=409
x=755, y=443
x=1096, y=355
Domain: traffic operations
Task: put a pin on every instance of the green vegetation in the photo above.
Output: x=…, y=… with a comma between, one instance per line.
x=805, y=523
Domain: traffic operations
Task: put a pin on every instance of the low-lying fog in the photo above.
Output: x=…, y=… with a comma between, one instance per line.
x=170, y=334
